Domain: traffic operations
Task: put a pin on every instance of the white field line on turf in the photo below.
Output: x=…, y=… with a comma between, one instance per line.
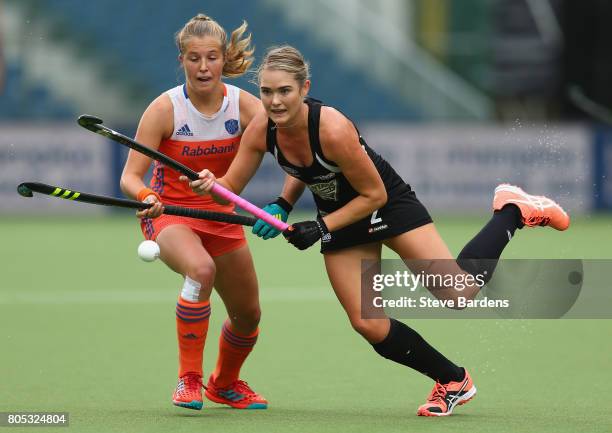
x=149, y=296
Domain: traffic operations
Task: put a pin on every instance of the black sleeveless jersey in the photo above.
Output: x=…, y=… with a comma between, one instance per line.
x=330, y=189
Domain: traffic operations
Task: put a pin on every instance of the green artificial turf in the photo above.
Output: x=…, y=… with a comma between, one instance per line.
x=87, y=328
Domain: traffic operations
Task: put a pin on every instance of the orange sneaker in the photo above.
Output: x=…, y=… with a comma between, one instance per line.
x=188, y=392
x=536, y=210
x=238, y=395
x=444, y=397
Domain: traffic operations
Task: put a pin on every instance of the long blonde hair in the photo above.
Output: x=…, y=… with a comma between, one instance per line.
x=238, y=53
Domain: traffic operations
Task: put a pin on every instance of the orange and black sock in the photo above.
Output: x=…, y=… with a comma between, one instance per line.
x=233, y=350
x=191, y=328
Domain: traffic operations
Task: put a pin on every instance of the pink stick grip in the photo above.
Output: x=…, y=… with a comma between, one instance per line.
x=249, y=207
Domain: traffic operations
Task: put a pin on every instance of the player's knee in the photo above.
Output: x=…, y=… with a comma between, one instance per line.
x=246, y=321
x=251, y=316
x=371, y=330
x=198, y=283
x=203, y=273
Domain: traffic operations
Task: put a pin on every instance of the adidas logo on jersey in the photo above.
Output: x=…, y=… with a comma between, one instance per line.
x=184, y=130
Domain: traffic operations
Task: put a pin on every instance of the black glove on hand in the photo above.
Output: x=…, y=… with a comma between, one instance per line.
x=305, y=233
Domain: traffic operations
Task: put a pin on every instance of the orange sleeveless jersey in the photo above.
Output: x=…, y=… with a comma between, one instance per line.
x=199, y=142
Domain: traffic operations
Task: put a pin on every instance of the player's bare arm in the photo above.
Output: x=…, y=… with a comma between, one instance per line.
x=340, y=144
x=293, y=189
x=250, y=154
x=155, y=125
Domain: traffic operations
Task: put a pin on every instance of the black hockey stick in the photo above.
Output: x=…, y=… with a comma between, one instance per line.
x=25, y=189
x=94, y=124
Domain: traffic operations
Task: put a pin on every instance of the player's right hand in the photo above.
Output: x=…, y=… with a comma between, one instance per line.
x=203, y=185
x=279, y=209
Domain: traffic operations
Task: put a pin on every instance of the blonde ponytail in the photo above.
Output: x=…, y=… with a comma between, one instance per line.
x=239, y=53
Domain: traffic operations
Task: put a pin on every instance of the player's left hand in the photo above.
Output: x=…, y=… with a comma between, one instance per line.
x=304, y=234
x=147, y=195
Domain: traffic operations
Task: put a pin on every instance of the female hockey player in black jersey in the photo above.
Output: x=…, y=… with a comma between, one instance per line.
x=362, y=205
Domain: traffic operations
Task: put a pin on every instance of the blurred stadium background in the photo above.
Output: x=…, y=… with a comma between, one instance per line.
x=458, y=95
x=514, y=90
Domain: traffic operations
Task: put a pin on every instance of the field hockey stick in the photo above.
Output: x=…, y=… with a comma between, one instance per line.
x=25, y=189
x=94, y=124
